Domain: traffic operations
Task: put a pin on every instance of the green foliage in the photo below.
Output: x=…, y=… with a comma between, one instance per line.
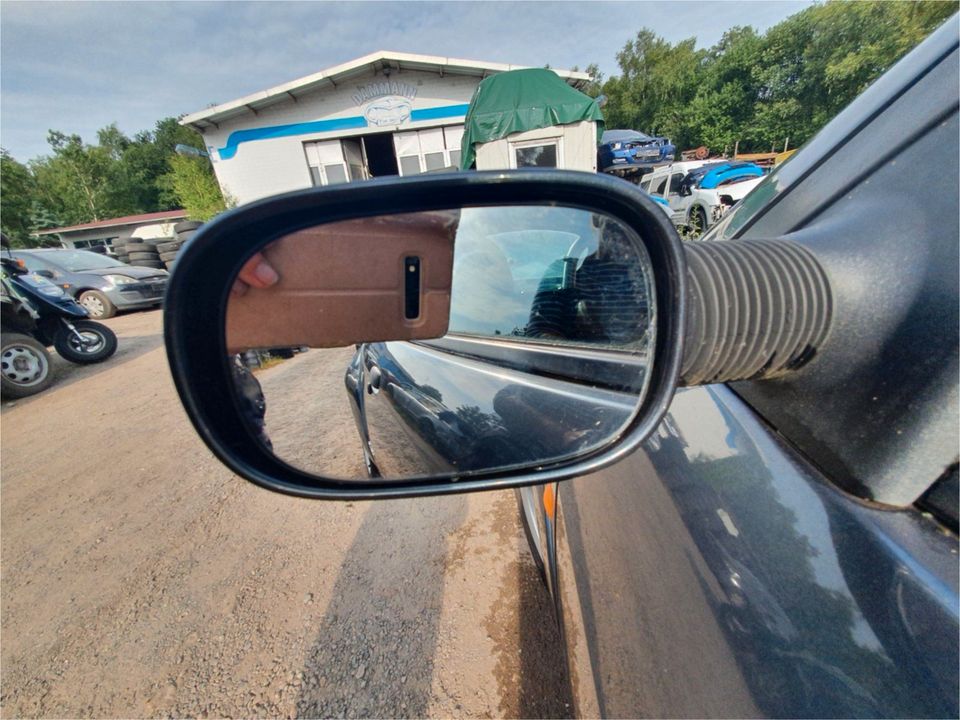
x=16, y=191
x=79, y=182
x=192, y=182
x=761, y=90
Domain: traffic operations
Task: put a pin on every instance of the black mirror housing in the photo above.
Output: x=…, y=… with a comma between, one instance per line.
x=209, y=263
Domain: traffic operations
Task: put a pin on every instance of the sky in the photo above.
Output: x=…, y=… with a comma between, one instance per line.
x=78, y=66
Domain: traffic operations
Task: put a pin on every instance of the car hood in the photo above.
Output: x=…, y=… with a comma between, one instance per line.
x=630, y=136
x=738, y=190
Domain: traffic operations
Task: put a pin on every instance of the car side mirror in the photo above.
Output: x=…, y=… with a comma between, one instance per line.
x=49, y=274
x=462, y=331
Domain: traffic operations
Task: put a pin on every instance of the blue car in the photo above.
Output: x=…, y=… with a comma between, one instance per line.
x=627, y=151
x=713, y=175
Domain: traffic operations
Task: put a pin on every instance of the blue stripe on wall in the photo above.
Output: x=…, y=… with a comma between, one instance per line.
x=279, y=131
x=436, y=113
x=235, y=139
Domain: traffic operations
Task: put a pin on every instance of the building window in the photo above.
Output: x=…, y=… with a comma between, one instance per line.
x=432, y=149
x=410, y=165
x=326, y=162
x=536, y=154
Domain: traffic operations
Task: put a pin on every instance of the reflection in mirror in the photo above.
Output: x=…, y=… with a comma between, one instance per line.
x=443, y=342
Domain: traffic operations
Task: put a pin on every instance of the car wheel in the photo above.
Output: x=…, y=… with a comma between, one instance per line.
x=97, y=344
x=97, y=304
x=24, y=366
x=697, y=225
x=530, y=519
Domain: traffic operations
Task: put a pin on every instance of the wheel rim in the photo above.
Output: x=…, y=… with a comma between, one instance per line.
x=93, y=304
x=22, y=365
x=92, y=342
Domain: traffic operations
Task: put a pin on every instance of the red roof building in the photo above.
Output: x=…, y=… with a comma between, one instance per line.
x=116, y=230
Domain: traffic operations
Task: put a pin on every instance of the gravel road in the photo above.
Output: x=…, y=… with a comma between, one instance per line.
x=140, y=578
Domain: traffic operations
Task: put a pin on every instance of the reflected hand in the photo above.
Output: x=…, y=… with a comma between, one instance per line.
x=257, y=273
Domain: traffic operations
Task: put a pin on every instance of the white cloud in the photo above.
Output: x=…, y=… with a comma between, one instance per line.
x=77, y=66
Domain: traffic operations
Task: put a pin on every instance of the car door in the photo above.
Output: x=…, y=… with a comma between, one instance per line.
x=770, y=551
x=678, y=202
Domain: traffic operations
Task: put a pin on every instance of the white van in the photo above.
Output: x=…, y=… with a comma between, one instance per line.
x=700, y=191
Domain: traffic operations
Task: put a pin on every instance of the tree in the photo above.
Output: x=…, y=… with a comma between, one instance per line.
x=192, y=182
x=17, y=190
x=75, y=182
x=658, y=81
x=760, y=90
x=594, y=86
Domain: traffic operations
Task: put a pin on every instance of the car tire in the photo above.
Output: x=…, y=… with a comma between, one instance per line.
x=529, y=514
x=168, y=256
x=167, y=247
x=169, y=265
x=155, y=263
x=25, y=366
x=697, y=223
x=185, y=235
x=186, y=225
x=103, y=343
x=97, y=304
x=133, y=241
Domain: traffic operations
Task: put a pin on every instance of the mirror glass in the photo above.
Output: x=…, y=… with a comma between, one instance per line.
x=443, y=343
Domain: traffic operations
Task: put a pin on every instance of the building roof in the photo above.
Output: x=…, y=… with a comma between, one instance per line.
x=366, y=66
x=146, y=219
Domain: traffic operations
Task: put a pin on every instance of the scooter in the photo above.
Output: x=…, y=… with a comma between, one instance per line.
x=36, y=314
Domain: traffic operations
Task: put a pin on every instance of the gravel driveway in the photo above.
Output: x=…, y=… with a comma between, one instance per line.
x=141, y=578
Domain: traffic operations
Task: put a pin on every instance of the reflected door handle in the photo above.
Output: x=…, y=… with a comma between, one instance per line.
x=374, y=385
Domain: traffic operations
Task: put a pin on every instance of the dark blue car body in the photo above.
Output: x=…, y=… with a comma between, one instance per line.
x=782, y=548
x=629, y=150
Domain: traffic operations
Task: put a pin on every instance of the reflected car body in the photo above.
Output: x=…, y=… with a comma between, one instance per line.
x=441, y=406
x=777, y=548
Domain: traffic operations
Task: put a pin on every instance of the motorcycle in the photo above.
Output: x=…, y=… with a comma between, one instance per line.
x=35, y=314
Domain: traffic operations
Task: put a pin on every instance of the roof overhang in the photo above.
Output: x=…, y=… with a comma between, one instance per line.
x=147, y=219
x=367, y=66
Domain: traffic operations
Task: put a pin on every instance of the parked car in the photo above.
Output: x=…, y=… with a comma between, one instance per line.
x=781, y=545
x=101, y=284
x=624, y=151
x=700, y=191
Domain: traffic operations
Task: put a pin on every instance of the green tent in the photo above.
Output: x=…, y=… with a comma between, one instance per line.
x=520, y=100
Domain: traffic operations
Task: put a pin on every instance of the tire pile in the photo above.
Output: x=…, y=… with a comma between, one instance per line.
x=156, y=252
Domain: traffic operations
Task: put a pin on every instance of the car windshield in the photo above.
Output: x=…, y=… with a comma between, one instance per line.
x=80, y=260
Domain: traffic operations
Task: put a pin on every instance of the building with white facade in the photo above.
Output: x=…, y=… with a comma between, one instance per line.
x=383, y=114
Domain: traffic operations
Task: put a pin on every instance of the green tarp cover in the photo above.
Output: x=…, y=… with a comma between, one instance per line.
x=520, y=100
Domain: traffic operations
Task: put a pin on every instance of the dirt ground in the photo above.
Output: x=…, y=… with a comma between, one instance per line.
x=140, y=578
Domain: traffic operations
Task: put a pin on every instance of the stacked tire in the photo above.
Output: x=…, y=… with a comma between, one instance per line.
x=143, y=253
x=169, y=249
x=120, y=249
